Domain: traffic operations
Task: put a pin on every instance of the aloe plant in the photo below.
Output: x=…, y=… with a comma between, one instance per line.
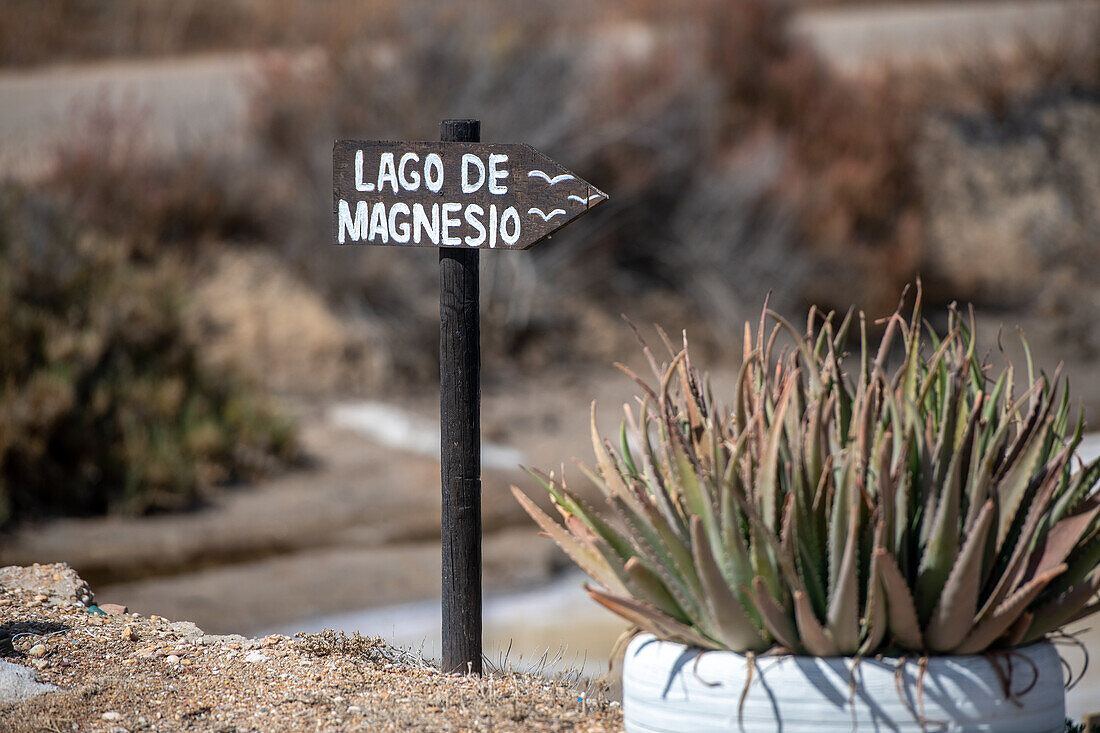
x=841, y=505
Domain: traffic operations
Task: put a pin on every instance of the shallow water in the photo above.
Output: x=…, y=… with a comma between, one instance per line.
x=558, y=628
x=552, y=628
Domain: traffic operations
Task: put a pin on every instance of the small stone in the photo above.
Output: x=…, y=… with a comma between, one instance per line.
x=255, y=657
x=40, y=663
x=172, y=659
x=128, y=662
x=128, y=634
x=113, y=609
x=111, y=716
x=38, y=650
x=41, y=598
x=354, y=709
x=57, y=576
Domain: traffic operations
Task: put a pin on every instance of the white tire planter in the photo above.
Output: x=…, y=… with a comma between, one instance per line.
x=670, y=687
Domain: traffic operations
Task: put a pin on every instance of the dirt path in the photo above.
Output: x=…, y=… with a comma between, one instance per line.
x=201, y=102
x=867, y=36
x=171, y=105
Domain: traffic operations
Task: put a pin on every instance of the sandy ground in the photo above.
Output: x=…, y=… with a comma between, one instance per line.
x=127, y=672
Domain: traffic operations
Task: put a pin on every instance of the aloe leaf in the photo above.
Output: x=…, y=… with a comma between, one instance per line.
x=767, y=486
x=1062, y=609
x=1081, y=564
x=733, y=625
x=775, y=619
x=658, y=490
x=690, y=397
x=645, y=585
x=809, y=566
x=901, y=611
x=978, y=483
x=591, y=561
x=958, y=602
x=886, y=343
x=646, y=616
x=811, y=633
x=1079, y=487
x=1057, y=544
x=656, y=560
x=575, y=506
x=551, y=485
x=1018, y=629
x=736, y=557
x=1038, y=508
x=687, y=479
x=1036, y=415
x=943, y=543
x=765, y=560
x=884, y=488
x=1085, y=612
x=843, y=617
x=1028, y=359
x=876, y=621
x=990, y=409
x=987, y=631
x=840, y=517
x=609, y=471
x=666, y=555
x=803, y=347
x=1012, y=488
x=624, y=448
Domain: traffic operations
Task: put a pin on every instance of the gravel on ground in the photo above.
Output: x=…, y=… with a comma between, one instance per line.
x=120, y=672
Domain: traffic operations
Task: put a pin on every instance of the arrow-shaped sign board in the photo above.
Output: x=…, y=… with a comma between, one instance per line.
x=451, y=194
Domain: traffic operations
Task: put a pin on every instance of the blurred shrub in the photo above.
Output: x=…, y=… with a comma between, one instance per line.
x=48, y=31
x=737, y=162
x=104, y=405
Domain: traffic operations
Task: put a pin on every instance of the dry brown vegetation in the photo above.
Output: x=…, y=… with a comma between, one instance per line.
x=105, y=404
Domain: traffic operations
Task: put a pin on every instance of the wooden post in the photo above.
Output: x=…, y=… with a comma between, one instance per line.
x=460, y=440
x=462, y=196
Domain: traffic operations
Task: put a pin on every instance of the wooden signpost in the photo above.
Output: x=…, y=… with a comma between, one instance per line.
x=462, y=196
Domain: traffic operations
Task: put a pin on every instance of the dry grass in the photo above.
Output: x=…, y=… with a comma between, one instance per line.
x=217, y=683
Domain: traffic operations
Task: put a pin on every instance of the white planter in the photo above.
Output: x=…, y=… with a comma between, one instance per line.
x=669, y=687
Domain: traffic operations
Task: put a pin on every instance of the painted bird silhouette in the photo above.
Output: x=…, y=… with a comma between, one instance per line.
x=544, y=215
x=552, y=181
